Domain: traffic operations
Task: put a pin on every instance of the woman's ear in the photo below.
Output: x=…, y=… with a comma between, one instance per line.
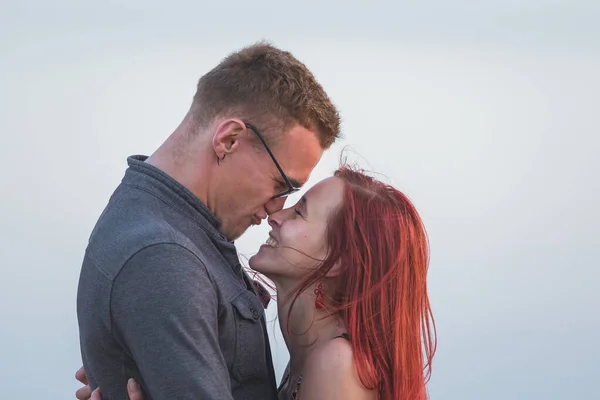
x=335, y=270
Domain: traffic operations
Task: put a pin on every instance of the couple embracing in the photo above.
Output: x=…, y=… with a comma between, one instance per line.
x=166, y=310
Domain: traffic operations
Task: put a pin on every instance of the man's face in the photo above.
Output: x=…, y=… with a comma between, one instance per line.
x=250, y=178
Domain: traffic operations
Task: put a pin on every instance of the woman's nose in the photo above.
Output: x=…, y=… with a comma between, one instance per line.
x=277, y=218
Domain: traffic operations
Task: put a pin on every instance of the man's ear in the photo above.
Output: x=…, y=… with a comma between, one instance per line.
x=226, y=139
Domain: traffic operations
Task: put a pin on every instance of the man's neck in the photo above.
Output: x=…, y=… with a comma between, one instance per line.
x=184, y=162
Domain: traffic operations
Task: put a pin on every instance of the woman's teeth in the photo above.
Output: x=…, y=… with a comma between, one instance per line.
x=272, y=242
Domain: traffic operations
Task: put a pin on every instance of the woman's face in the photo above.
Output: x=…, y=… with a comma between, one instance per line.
x=296, y=243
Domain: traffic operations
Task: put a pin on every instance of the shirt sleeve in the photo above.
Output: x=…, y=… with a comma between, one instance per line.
x=165, y=309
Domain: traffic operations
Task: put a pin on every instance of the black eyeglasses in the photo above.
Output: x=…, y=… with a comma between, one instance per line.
x=291, y=188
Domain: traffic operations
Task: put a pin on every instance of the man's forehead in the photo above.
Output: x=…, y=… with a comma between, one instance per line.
x=300, y=152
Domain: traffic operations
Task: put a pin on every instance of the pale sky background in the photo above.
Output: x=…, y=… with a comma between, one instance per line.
x=483, y=112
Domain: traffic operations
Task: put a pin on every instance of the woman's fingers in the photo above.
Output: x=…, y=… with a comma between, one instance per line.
x=134, y=391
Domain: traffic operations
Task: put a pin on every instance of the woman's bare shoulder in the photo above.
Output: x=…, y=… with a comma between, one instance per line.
x=329, y=372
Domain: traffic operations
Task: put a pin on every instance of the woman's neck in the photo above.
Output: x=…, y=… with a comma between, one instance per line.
x=307, y=327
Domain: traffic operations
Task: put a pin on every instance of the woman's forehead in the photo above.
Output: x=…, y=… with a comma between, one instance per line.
x=327, y=193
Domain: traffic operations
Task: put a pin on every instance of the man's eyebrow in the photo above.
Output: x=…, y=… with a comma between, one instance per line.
x=295, y=183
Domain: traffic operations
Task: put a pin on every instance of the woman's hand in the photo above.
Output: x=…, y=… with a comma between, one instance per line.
x=133, y=390
x=85, y=393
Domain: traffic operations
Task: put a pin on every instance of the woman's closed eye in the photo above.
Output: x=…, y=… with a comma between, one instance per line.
x=300, y=208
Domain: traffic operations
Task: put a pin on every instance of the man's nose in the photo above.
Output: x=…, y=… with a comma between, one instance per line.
x=275, y=205
x=262, y=214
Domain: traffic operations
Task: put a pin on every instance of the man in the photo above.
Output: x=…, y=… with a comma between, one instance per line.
x=162, y=296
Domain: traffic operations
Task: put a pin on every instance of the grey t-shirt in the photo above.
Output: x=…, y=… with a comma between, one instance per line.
x=163, y=299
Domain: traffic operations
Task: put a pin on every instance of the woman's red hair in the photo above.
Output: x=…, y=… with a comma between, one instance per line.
x=379, y=243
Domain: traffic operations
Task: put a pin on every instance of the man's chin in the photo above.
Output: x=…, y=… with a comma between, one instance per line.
x=232, y=235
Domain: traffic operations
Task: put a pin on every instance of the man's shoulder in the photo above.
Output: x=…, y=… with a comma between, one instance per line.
x=129, y=225
x=164, y=267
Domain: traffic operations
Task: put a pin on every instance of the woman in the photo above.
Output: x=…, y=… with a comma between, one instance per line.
x=349, y=263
